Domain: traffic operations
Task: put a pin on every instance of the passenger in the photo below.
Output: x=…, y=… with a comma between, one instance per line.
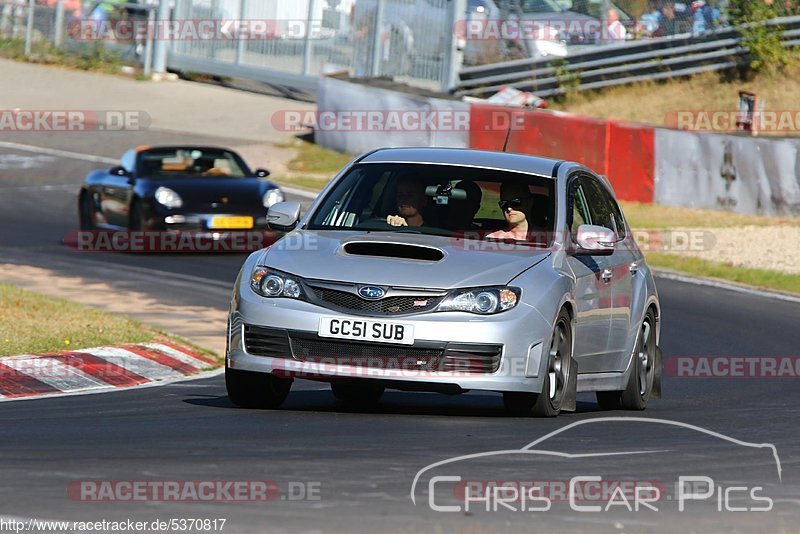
x=515, y=203
x=411, y=202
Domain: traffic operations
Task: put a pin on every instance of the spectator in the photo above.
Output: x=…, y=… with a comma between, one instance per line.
x=651, y=21
x=615, y=29
x=669, y=22
x=706, y=17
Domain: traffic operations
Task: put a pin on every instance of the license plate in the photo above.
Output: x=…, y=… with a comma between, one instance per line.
x=231, y=223
x=366, y=330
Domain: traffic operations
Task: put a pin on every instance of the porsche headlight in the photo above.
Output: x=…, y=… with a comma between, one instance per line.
x=271, y=197
x=272, y=284
x=482, y=301
x=168, y=198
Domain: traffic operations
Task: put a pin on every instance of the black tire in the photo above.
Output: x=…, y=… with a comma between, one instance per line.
x=519, y=404
x=85, y=214
x=247, y=389
x=549, y=402
x=135, y=217
x=637, y=393
x=357, y=393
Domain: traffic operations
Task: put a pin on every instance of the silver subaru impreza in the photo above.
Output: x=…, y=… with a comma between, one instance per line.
x=448, y=270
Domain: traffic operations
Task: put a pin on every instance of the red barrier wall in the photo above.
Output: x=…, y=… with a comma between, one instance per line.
x=624, y=153
x=631, y=161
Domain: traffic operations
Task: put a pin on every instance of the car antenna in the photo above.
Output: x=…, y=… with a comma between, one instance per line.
x=508, y=136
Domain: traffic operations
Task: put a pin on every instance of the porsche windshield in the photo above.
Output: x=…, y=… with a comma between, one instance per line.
x=190, y=162
x=440, y=200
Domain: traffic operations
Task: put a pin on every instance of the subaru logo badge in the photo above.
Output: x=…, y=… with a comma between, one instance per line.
x=371, y=292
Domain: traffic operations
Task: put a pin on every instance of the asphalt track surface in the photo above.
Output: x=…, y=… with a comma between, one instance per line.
x=359, y=465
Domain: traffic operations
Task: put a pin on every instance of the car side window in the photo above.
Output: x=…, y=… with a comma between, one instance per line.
x=616, y=215
x=580, y=210
x=598, y=201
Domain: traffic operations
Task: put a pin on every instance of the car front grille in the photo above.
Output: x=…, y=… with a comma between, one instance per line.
x=467, y=358
x=393, y=305
x=368, y=355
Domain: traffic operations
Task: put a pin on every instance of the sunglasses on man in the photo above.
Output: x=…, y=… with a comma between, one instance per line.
x=514, y=204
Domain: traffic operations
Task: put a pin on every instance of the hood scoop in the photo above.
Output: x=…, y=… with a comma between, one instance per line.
x=393, y=250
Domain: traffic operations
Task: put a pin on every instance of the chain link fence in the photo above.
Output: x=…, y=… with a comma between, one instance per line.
x=404, y=39
x=49, y=27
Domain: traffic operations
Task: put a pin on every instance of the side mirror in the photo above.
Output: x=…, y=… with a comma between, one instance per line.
x=118, y=171
x=262, y=173
x=595, y=240
x=283, y=216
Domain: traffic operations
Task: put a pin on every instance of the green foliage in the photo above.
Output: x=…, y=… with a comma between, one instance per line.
x=568, y=81
x=767, y=53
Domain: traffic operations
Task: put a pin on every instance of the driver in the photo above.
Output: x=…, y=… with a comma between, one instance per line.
x=411, y=201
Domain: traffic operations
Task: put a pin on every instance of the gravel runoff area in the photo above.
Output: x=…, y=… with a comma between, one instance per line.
x=773, y=248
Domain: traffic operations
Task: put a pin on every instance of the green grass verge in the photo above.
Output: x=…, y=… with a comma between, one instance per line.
x=87, y=56
x=723, y=271
x=650, y=216
x=313, y=159
x=37, y=324
x=313, y=183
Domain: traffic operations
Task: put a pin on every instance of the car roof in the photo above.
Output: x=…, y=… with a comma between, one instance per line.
x=467, y=158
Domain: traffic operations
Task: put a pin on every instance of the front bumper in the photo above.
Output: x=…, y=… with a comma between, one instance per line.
x=170, y=220
x=452, y=350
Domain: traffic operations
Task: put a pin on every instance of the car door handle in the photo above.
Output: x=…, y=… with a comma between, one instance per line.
x=634, y=268
x=607, y=275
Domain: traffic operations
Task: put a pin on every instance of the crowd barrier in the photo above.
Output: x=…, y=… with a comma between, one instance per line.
x=343, y=97
x=728, y=172
x=604, y=146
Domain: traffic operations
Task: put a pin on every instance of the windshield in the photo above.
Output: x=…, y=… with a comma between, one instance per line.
x=540, y=6
x=440, y=200
x=190, y=162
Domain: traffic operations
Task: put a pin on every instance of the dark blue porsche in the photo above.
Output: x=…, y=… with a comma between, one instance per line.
x=178, y=188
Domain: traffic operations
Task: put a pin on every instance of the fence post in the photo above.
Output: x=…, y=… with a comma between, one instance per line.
x=160, y=46
x=58, y=35
x=148, y=47
x=240, y=36
x=453, y=56
x=376, y=39
x=307, y=44
x=29, y=28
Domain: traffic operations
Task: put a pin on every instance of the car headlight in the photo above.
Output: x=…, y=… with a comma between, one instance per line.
x=269, y=283
x=271, y=197
x=483, y=301
x=168, y=198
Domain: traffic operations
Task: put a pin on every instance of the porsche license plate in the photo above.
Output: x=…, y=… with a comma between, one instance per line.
x=231, y=223
x=366, y=330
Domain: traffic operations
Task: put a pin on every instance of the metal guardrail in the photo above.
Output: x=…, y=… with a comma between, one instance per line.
x=620, y=64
